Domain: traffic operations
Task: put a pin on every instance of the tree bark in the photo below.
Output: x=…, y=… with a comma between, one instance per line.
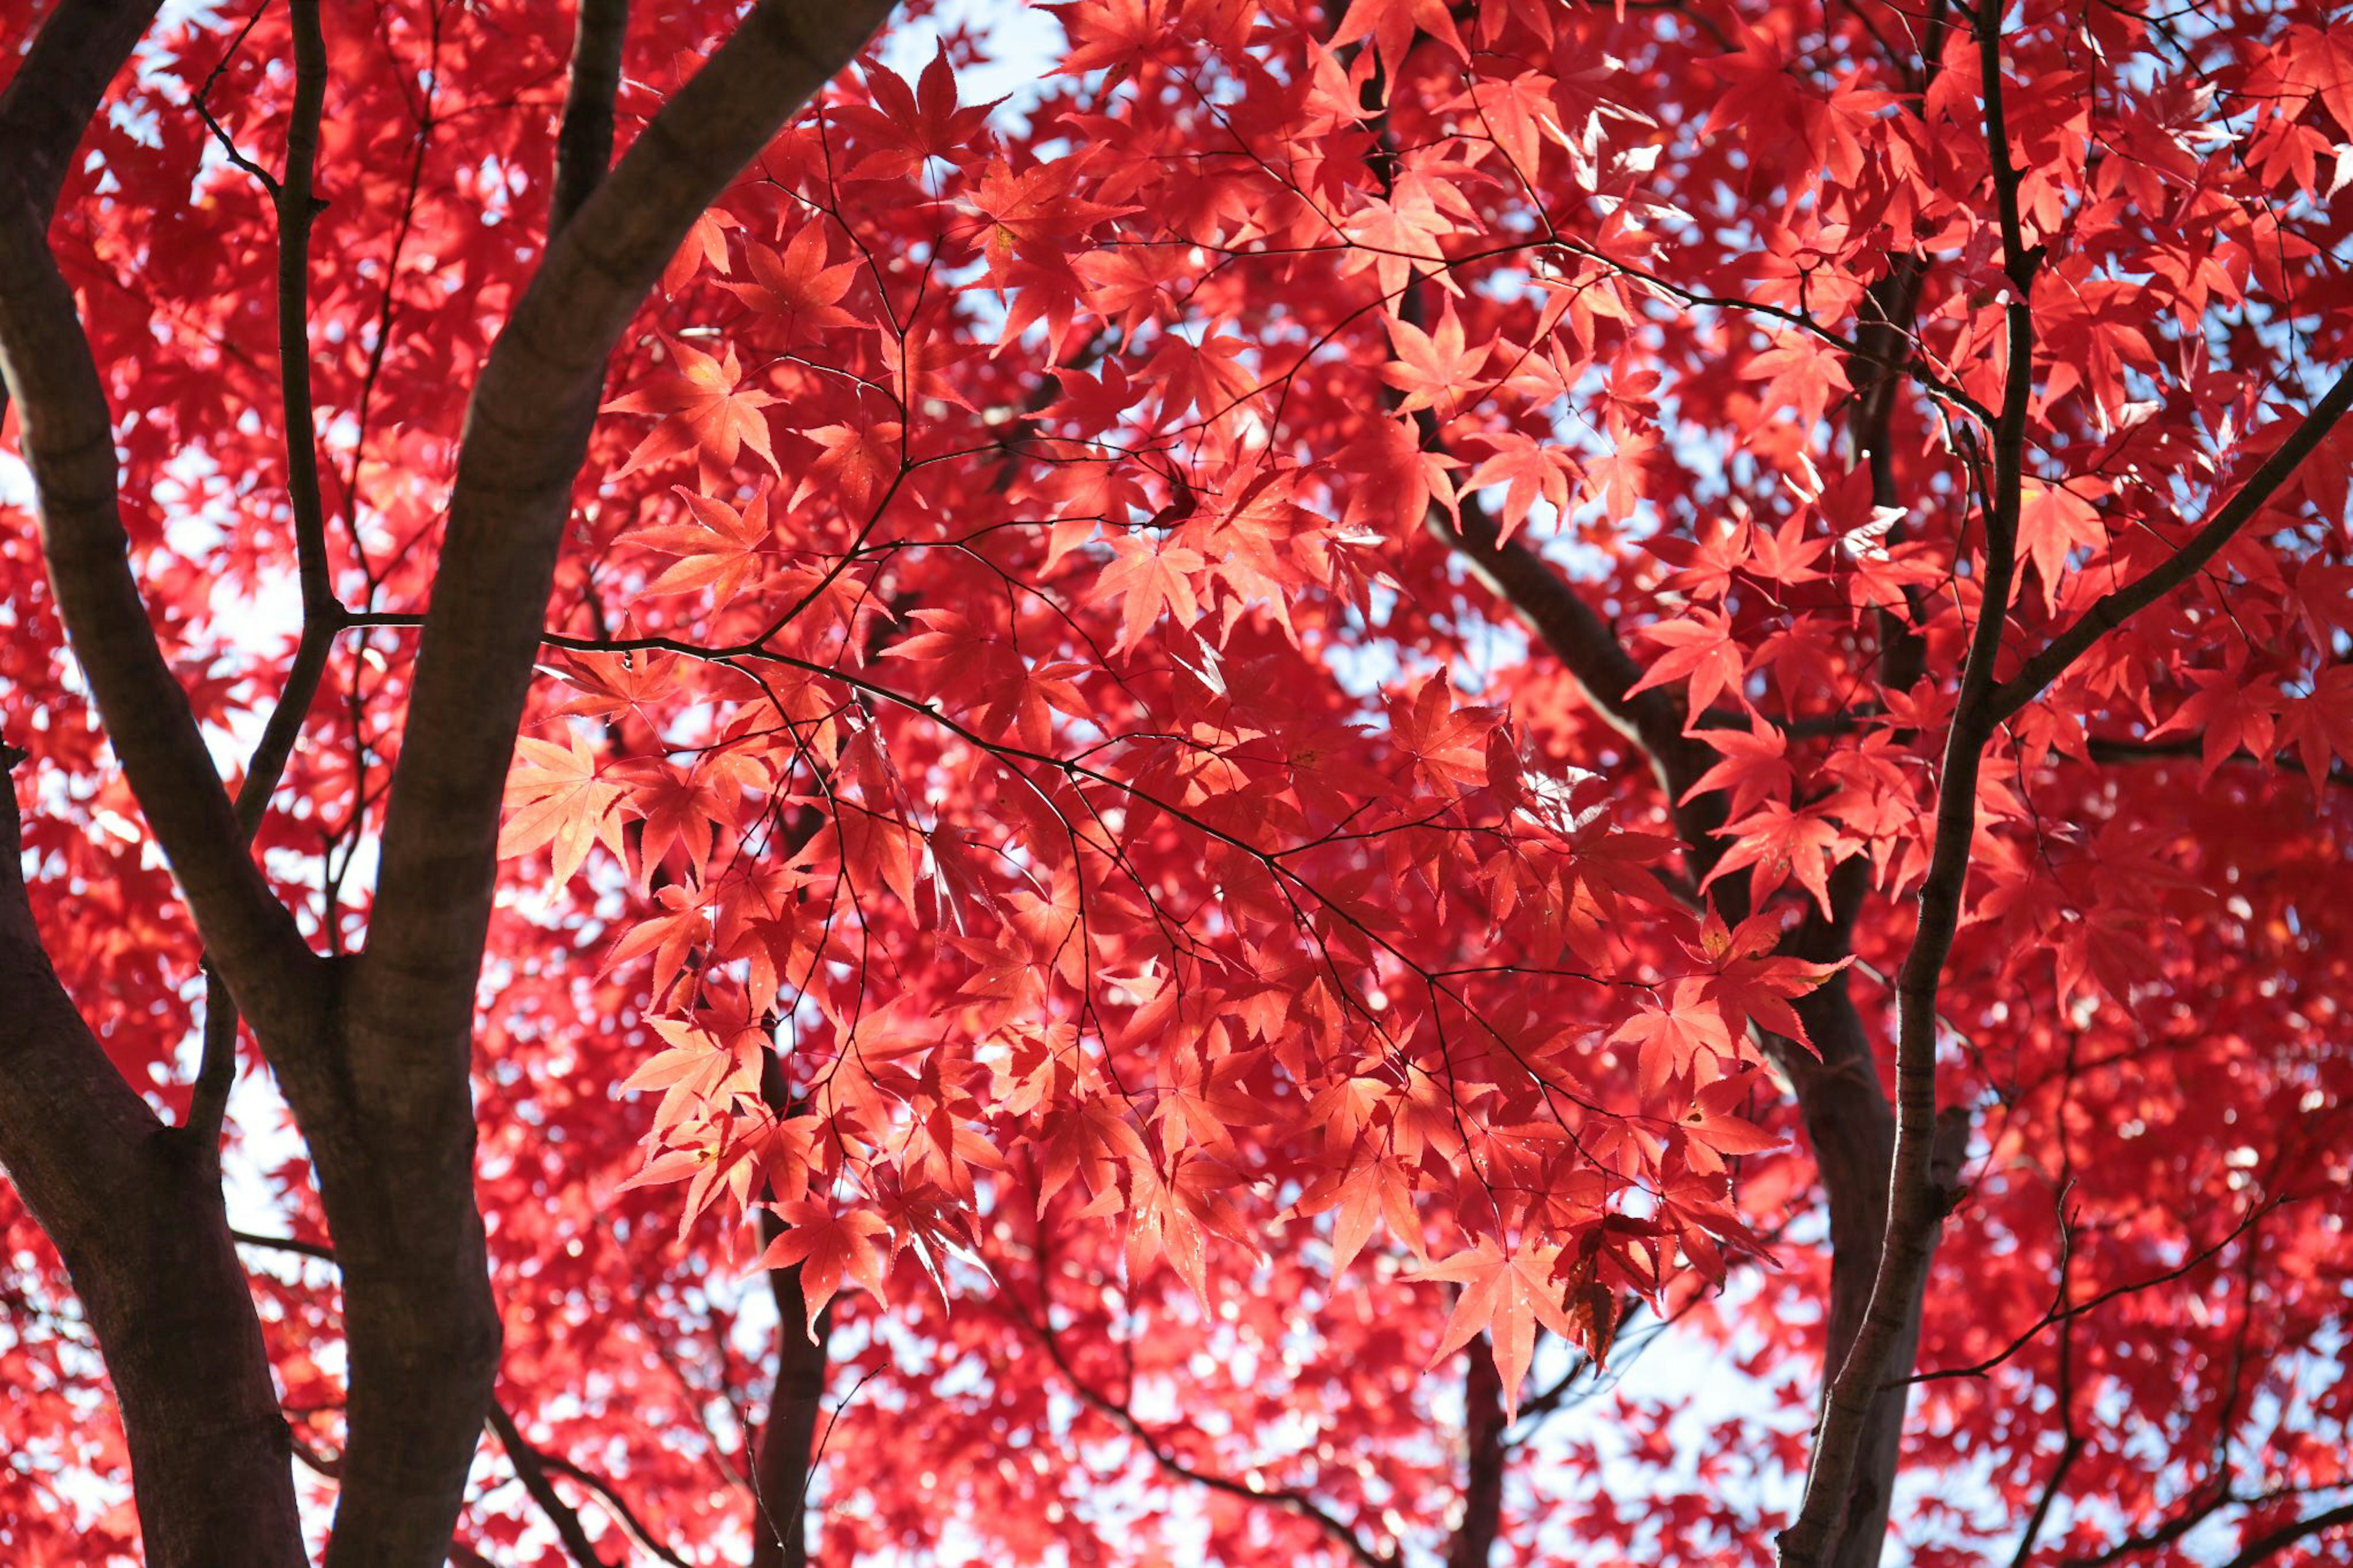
x=134, y=1207
x=374, y=1053
x=1852, y=1126
x=780, y=1474
x=1485, y=1460
x=787, y=1457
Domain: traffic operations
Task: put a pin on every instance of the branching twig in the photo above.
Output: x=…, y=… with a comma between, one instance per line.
x=533, y=1473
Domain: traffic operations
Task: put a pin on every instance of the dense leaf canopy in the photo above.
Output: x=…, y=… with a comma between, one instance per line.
x=1242, y=755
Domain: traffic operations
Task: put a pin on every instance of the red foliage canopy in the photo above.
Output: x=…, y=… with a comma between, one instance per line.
x=1339, y=684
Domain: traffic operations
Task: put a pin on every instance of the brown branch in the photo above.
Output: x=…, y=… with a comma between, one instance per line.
x=2105, y=749
x=2070, y=1446
x=393, y=1126
x=2270, y=1545
x=584, y=146
x=319, y=1250
x=68, y=442
x=611, y=1499
x=2110, y=610
x=1917, y=1200
x=322, y=612
x=785, y=1461
x=532, y=1471
x=1486, y=1458
x=526, y=432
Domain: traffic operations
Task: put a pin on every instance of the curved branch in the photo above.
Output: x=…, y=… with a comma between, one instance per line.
x=1293, y=1502
x=583, y=147
x=68, y=440
x=2267, y=1546
x=393, y=1126
x=2110, y=610
x=526, y=433
x=136, y=1213
x=532, y=1472
x=2059, y=1313
x=57, y=89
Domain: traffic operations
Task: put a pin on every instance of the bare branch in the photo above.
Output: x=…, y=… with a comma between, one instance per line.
x=319, y=1250
x=322, y=612
x=614, y=1503
x=1298, y=1504
x=2271, y=1544
x=2059, y=1313
x=533, y=1474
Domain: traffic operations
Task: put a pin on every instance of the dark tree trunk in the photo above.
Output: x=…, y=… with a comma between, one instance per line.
x=1485, y=1458
x=134, y=1207
x=780, y=1472
x=1853, y=1127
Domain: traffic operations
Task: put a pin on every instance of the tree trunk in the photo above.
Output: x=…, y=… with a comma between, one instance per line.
x=1486, y=1460
x=135, y=1209
x=1853, y=1127
x=395, y=1180
x=780, y=1473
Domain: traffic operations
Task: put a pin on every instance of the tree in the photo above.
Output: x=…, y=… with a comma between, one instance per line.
x=1243, y=768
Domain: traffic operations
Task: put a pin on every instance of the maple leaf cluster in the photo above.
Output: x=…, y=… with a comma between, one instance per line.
x=1279, y=708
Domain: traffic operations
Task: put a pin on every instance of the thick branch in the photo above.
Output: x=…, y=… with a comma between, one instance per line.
x=134, y=1210
x=68, y=444
x=57, y=89
x=526, y=432
x=393, y=1129
x=583, y=147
